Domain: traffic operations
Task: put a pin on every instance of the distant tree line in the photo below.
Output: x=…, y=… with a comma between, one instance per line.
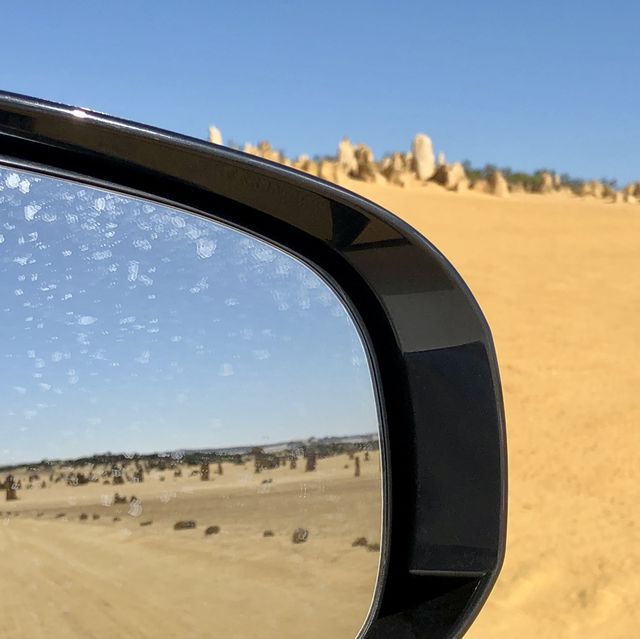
x=529, y=181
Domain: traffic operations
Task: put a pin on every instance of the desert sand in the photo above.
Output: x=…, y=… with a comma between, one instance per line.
x=76, y=564
x=558, y=278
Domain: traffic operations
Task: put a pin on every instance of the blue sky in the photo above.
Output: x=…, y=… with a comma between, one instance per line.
x=521, y=84
x=131, y=327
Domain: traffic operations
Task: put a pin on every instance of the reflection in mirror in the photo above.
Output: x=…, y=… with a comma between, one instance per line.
x=189, y=432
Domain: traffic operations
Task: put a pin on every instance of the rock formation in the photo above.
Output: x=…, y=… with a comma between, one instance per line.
x=423, y=158
x=300, y=535
x=481, y=186
x=395, y=169
x=592, y=189
x=327, y=170
x=249, y=148
x=631, y=192
x=547, y=185
x=311, y=461
x=418, y=166
x=450, y=175
x=347, y=157
x=215, y=137
x=266, y=151
x=367, y=170
x=498, y=185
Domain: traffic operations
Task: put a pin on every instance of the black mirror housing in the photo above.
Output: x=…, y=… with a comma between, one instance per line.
x=443, y=441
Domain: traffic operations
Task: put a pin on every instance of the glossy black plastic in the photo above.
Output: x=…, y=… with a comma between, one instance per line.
x=444, y=449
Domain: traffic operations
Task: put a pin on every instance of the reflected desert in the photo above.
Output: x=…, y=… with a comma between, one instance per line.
x=236, y=566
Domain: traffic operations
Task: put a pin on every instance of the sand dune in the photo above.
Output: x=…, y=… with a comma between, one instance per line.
x=558, y=278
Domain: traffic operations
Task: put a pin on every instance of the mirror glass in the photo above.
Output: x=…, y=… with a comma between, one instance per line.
x=189, y=432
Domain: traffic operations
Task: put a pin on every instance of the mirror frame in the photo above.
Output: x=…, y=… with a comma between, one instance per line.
x=443, y=440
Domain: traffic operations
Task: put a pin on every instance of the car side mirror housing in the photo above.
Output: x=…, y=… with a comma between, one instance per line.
x=434, y=367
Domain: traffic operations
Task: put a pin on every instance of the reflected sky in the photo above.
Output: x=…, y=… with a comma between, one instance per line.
x=127, y=326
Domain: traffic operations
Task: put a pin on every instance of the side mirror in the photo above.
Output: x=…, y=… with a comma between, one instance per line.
x=393, y=381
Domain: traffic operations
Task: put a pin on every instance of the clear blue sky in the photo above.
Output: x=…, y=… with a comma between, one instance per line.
x=520, y=84
x=127, y=327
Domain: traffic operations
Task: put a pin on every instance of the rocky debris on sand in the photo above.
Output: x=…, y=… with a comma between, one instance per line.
x=300, y=535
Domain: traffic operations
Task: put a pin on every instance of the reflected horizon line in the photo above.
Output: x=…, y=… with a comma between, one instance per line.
x=297, y=446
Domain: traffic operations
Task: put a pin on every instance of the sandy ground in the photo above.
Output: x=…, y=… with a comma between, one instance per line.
x=67, y=577
x=559, y=281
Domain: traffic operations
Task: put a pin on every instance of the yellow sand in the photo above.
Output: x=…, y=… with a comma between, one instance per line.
x=559, y=281
x=67, y=577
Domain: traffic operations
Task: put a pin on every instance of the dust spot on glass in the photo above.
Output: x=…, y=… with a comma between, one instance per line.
x=30, y=211
x=144, y=357
x=225, y=370
x=205, y=247
x=12, y=180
